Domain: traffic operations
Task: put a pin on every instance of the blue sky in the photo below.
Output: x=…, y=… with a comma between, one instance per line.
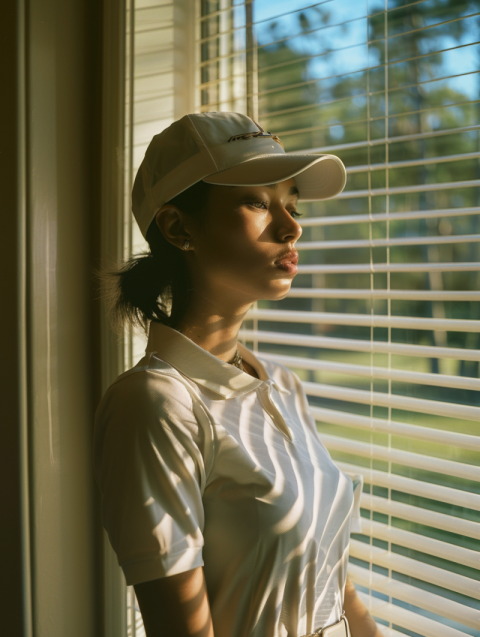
x=464, y=60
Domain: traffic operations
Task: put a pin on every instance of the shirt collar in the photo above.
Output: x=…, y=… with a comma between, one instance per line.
x=202, y=367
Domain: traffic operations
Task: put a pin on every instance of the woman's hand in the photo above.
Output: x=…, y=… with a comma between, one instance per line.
x=359, y=619
x=176, y=606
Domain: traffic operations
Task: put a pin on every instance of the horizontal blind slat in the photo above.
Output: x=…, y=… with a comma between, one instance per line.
x=257, y=22
x=394, y=295
x=367, y=320
x=413, y=568
x=395, y=401
x=356, y=345
x=222, y=34
x=381, y=141
x=372, y=268
x=422, y=543
x=386, y=64
x=291, y=12
x=370, y=371
x=281, y=40
x=429, y=434
x=390, y=216
x=432, y=25
x=416, y=596
x=361, y=120
x=408, y=619
x=391, y=90
x=402, y=190
x=393, y=481
x=329, y=25
x=419, y=515
x=305, y=107
x=403, y=458
x=383, y=243
x=408, y=163
x=243, y=51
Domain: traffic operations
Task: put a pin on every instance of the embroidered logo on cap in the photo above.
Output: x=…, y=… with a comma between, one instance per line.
x=259, y=133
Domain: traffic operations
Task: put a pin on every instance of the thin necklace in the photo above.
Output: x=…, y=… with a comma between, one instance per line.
x=237, y=360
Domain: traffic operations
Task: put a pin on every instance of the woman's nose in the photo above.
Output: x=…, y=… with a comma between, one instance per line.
x=290, y=228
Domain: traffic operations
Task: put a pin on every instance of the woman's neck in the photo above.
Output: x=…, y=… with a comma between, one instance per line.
x=213, y=332
x=196, y=337
x=213, y=327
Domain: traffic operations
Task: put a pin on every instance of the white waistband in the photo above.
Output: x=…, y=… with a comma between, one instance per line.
x=339, y=629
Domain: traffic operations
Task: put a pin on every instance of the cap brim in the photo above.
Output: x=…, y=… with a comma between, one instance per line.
x=316, y=176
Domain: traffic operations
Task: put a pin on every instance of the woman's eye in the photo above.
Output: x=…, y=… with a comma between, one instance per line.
x=259, y=204
x=263, y=205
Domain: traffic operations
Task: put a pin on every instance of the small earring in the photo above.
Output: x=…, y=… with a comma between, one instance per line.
x=186, y=244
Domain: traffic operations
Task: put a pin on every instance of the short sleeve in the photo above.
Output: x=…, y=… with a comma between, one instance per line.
x=149, y=456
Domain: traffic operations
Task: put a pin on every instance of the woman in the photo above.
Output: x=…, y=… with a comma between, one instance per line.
x=223, y=506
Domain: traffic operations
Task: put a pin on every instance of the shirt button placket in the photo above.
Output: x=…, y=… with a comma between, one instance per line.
x=272, y=410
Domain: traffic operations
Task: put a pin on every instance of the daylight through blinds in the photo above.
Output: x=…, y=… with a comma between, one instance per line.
x=382, y=323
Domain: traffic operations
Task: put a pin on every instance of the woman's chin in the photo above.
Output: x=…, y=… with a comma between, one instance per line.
x=278, y=289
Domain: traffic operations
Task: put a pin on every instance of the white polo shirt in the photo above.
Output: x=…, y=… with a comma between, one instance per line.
x=200, y=464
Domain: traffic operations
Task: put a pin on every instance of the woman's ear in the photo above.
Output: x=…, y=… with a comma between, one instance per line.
x=172, y=224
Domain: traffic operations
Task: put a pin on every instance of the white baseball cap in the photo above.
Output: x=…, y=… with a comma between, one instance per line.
x=227, y=149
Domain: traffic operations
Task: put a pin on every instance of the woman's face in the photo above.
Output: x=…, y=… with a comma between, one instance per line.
x=245, y=231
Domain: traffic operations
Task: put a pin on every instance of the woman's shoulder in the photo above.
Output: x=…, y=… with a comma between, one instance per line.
x=150, y=407
x=151, y=382
x=148, y=400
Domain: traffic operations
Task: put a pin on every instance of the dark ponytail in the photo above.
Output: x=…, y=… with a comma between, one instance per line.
x=155, y=285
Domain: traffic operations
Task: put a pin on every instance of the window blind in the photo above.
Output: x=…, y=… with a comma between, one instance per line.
x=159, y=88
x=382, y=322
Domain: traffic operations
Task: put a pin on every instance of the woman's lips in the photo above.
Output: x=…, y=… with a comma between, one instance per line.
x=288, y=262
x=291, y=268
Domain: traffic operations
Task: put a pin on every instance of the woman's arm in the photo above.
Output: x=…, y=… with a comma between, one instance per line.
x=176, y=606
x=359, y=619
